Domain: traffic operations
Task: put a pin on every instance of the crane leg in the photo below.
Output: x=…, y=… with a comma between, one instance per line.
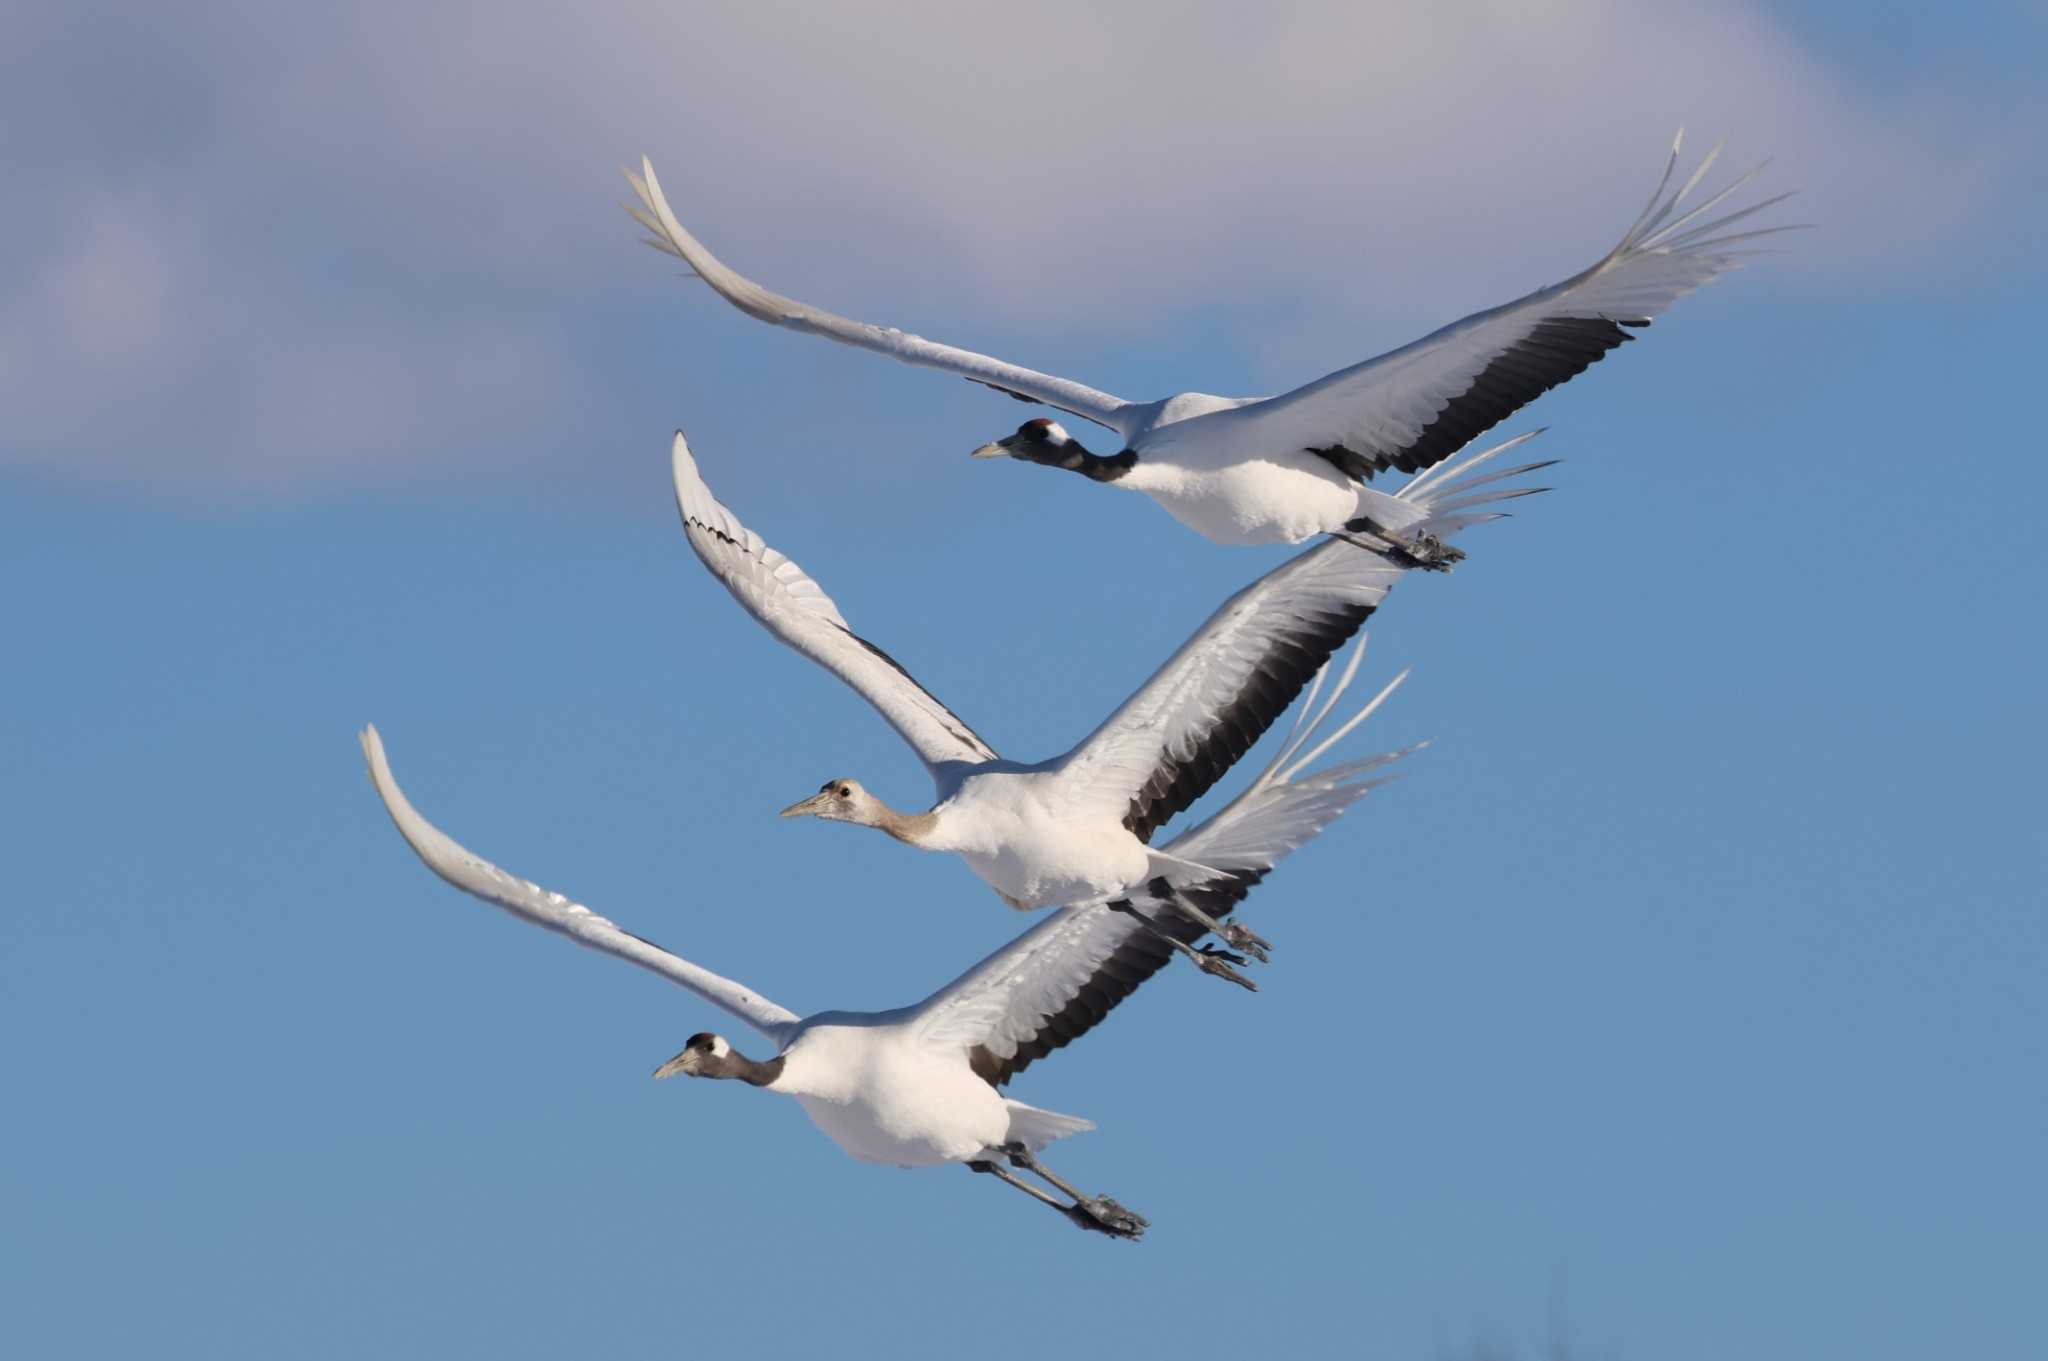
x=1208, y=959
x=1234, y=934
x=1425, y=551
x=1098, y=1214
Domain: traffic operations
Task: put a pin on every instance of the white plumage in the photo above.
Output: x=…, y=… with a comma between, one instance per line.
x=1076, y=827
x=1246, y=470
x=921, y=1085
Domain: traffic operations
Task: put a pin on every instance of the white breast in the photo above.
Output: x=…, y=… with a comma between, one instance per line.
x=1009, y=830
x=1247, y=501
x=880, y=1096
x=1196, y=460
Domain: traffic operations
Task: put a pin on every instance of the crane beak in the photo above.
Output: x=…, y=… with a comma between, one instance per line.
x=996, y=449
x=807, y=808
x=681, y=1063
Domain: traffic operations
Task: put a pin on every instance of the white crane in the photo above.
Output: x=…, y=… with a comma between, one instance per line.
x=1075, y=828
x=922, y=1085
x=1248, y=470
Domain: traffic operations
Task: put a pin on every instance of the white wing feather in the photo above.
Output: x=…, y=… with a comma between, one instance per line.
x=480, y=878
x=797, y=611
x=1380, y=408
x=1008, y=996
x=668, y=235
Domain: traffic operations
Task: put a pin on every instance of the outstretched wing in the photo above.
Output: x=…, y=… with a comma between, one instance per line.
x=668, y=235
x=480, y=878
x=798, y=612
x=1415, y=406
x=1061, y=978
x=1215, y=697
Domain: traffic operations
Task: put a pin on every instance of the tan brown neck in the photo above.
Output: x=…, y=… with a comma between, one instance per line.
x=910, y=828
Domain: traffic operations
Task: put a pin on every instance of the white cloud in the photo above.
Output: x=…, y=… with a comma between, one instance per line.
x=347, y=233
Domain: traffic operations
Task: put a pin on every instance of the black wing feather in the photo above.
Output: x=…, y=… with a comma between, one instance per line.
x=1140, y=955
x=1556, y=348
x=1290, y=662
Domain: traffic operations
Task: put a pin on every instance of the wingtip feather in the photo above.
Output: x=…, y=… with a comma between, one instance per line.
x=372, y=743
x=682, y=463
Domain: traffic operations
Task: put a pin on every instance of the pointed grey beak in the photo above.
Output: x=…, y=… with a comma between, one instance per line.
x=996, y=449
x=681, y=1063
x=806, y=808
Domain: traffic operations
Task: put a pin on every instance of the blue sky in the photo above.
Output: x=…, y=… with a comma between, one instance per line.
x=1686, y=991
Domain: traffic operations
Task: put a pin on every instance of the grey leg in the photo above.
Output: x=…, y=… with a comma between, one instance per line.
x=1100, y=1212
x=1235, y=934
x=1425, y=551
x=1003, y=1174
x=1208, y=959
x=1096, y=1214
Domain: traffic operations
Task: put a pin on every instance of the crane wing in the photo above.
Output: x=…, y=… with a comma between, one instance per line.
x=668, y=235
x=786, y=602
x=1415, y=406
x=530, y=902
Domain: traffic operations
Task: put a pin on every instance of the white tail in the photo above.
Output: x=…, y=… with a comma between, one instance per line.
x=1284, y=809
x=1035, y=1128
x=1444, y=500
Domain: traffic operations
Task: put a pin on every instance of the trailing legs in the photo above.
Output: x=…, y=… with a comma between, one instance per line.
x=1208, y=958
x=1422, y=550
x=1234, y=934
x=1098, y=1214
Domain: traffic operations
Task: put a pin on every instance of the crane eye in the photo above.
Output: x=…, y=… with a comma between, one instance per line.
x=845, y=791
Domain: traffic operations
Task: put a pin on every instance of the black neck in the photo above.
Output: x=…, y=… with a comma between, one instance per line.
x=757, y=1074
x=1075, y=459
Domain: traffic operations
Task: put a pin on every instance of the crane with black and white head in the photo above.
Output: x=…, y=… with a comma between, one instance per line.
x=922, y=1085
x=1252, y=470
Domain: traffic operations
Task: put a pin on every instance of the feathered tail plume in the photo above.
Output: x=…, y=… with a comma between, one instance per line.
x=1444, y=500
x=1223, y=859
x=1283, y=808
x=1441, y=501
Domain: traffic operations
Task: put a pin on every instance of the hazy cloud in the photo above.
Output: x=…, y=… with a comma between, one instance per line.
x=271, y=250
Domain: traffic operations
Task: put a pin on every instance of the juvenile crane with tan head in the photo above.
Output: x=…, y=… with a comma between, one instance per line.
x=1076, y=828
